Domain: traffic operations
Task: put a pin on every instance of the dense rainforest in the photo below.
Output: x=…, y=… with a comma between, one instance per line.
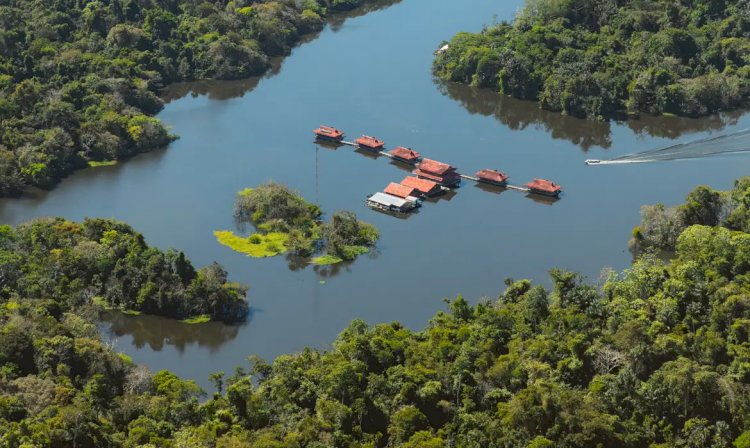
x=657, y=356
x=79, y=79
x=106, y=263
x=598, y=58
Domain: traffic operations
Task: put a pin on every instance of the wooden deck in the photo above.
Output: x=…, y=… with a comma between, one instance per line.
x=463, y=176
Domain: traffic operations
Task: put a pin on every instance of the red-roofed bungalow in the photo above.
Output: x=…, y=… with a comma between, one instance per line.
x=407, y=155
x=402, y=191
x=423, y=186
x=328, y=133
x=493, y=177
x=371, y=143
x=544, y=187
x=439, y=172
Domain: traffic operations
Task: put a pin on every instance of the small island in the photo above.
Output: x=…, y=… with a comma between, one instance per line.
x=600, y=60
x=286, y=223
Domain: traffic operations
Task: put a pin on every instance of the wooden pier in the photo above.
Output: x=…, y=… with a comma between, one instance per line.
x=463, y=176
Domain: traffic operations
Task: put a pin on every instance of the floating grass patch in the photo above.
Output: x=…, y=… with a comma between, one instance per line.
x=201, y=319
x=256, y=245
x=94, y=163
x=324, y=260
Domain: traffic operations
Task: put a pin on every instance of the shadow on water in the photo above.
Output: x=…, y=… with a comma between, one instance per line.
x=158, y=332
x=519, y=114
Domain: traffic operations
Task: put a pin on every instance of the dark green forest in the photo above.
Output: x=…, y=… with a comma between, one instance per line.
x=67, y=265
x=603, y=58
x=79, y=80
x=657, y=356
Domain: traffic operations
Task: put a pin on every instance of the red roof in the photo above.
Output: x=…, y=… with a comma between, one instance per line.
x=401, y=191
x=370, y=142
x=544, y=185
x=492, y=176
x=435, y=167
x=440, y=178
x=327, y=131
x=406, y=154
x=421, y=185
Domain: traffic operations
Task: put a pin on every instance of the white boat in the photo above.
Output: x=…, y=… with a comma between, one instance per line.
x=592, y=161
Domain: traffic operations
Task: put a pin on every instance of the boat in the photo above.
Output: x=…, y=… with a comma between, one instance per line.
x=390, y=203
x=544, y=187
x=371, y=143
x=328, y=133
x=492, y=177
x=592, y=161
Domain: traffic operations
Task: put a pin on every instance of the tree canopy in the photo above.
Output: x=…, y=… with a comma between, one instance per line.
x=656, y=356
x=79, y=80
x=104, y=262
x=595, y=58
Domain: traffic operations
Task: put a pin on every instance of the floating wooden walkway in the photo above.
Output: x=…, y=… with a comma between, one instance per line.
x=463, y=176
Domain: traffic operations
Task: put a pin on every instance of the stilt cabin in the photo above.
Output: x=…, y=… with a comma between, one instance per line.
x=389, y=203
x=425, y=187
x=402, y=191
x=407, y=155
x=439, y=172
x=544, y=187
x=370, y=143
x=329, y=134
x=492, y=177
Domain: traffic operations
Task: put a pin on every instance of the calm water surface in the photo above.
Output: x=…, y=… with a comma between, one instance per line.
x=371, y=74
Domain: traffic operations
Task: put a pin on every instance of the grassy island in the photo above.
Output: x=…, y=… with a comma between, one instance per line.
x=657, y=356
x=107, y=264
x=597, y=58
x=285, y=222
x=79, y=81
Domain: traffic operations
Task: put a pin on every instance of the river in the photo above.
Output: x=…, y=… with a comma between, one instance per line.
x=371, y=74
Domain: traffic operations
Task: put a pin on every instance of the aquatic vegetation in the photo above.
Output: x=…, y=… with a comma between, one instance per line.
x=256, y=245
x=324, y=260
x=95, y=164
x=200, y=319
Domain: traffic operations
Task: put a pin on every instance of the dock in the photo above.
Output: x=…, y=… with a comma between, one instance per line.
x=518, y=188
x=463, y=176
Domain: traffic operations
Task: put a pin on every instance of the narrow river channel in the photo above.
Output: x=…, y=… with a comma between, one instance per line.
x=371, y=74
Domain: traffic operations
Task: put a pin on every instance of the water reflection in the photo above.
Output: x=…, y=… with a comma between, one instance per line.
x=519, y=114
x=157, y=332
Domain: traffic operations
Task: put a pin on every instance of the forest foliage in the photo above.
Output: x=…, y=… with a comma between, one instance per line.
x=662, y=226
x=104, y=262
x=657, y=356
x=597, y=58
x=79, y=80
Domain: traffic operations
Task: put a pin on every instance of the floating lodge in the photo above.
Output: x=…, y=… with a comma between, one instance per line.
x=369, y=143
x=328, y=133
x=544, y=187
x=406, y=155
x=432, y=177
x=389, y=203
x=438, y=172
